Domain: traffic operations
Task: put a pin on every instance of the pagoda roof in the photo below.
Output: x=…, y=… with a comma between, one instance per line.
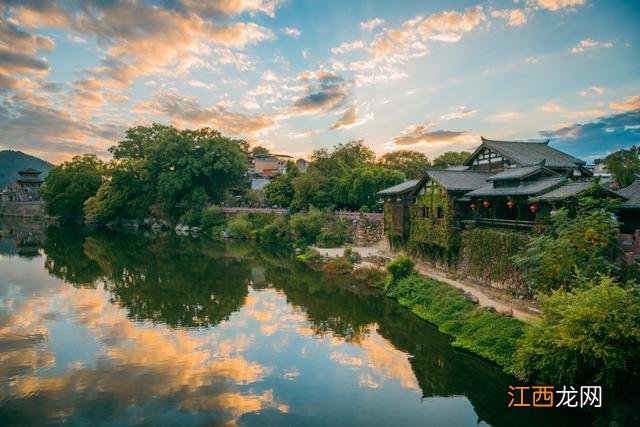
x=632, y=194
x=532, y=188
x=528, y=153
x=403, y=187
x=458, y=180
x=29, y=171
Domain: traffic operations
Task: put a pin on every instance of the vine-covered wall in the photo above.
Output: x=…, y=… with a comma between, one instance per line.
x=487, y=257
x=433, y=229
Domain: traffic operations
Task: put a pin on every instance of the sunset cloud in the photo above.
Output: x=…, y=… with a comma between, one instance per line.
x=555, y=5
x=631, y=103
x=514, y=17
x=589, y=44
x=370, y=25
x=350, y=119
x=459, y=113
x=424, y=133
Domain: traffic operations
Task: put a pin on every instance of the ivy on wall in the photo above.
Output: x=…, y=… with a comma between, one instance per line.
x=437, y=227
x=487, y=256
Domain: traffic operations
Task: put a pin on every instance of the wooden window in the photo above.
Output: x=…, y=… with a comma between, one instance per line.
x=440, y=212
x=425, y=212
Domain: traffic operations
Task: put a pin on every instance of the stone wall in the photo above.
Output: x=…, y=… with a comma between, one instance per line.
x=365, y=229
x=31, y=209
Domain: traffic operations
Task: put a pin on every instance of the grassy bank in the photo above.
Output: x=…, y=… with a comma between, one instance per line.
x=485, y=333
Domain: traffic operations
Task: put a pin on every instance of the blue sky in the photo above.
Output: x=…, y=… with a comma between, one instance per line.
x=295, y=76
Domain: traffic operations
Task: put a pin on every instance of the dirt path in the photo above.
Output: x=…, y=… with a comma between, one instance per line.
x=501, y=303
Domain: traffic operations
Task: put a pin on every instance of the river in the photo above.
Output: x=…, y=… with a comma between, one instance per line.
x=115, y=329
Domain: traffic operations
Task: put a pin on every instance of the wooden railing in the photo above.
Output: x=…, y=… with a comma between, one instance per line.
x=497, y=222
x=341, y=214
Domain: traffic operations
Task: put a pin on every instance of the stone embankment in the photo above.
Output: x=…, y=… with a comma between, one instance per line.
x=20, y=209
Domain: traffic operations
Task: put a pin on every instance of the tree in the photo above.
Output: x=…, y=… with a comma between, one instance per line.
x=342, y=157
x=624, y=165
x=70, y=184
x=128, y=193
x=584, y=245
x=586, y=336
x=411, y=163
x=280, y=191
x=357, y=189
x=450, y=158
x=188, y=168
x=313, y=188
x=259, y=151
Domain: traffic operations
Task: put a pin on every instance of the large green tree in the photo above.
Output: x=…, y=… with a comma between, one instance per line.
x=411, y=163
x=624, y=165
x=280, y=190
x=450, y=158
x=357, y=189
x=70, y=184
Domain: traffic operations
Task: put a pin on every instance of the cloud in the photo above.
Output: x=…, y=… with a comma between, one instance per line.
x=514, y=17
x=423, y=134
x=631, y=103
x=552, y=107
x=348, y=47
x=370, y=25
x=293, y=32
x=74, y=38
x=459, y=113
x=593, y=90
x=555, y=5
x=588, y=44
x=600, y=136
x=531, y=59
x=506, y=116
x=200, y=84
x=187, y=111
x=232, y=7
x=350, y=119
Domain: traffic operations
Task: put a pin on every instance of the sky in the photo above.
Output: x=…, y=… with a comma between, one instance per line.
x=296, y=76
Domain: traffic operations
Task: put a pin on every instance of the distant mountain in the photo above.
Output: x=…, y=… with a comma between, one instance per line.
x=13, y=161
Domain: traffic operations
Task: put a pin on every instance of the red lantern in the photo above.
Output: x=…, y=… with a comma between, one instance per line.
x=510, y=204
x=533, y=208
x=472, y=206
x=486, y=204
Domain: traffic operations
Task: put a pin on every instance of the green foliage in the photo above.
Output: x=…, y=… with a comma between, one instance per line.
x=400, y=268
x=338, y=265
x=333, y=233
x=624, y=165
x=312, y=188
x=488, y=334
x=587, y=244
x=69, y=185
x=306, y=227
x=371, y=275
x=586, y=336
x=239, y=227
x=411, y=163
x=280, y=191
x=356, y=189
x=259, y=151
x=276, y=233
x=212, y=216
x=437, y=227
x=488, y=255
x=128, y=193
x=311, y=256
x=351, y=255
x=450, y=158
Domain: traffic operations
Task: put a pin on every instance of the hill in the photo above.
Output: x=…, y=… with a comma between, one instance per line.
x=13, y=161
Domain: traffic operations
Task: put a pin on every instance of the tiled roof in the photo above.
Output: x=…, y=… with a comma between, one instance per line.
x=453, y=180
x=569, y=189
x=524, y=189
x=530, y=153
x=517, y=173
x=632, y=194
x=29, y=170
x=408, y=185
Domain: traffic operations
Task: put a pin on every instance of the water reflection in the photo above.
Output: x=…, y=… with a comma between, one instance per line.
x=127, y=329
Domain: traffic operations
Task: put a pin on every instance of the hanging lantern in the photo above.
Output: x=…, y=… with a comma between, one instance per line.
x=510, y=204
x=486, y=204
x=533, y=208
x=472, y=206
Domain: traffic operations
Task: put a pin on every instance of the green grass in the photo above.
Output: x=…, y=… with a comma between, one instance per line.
x=487, y=334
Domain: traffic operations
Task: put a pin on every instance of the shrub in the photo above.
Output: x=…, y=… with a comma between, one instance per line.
x=338, y=265
x=372, y=276
x=352, y=256
x=310, y=256
x=239, y=227
x=307, y=226
x=334, y=233
x=400, y=267
x=212, y=216
x=276, y=233
x=584, y=337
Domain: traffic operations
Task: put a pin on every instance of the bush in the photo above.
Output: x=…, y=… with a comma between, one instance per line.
x=400, y=267
x=310, y=256
x=276, y=233
x=212, y=216
x=352, y=256
x=333, y=234
x=372, y=276
x=338, y=265
x=588, y=336
x=307, y=226
x=239, y=227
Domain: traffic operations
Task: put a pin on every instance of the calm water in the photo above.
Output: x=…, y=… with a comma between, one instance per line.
x=116, y=329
